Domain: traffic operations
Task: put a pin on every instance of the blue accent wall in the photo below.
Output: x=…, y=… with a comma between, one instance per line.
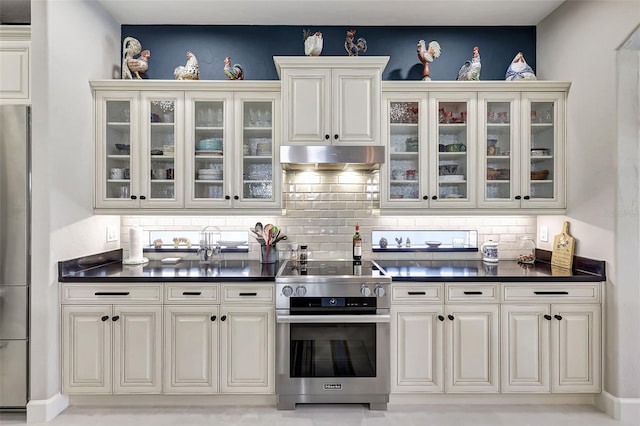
x=253, y=47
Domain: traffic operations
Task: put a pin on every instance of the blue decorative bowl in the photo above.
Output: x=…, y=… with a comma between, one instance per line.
x=209, y=145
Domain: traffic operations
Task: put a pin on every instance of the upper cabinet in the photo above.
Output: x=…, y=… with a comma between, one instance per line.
x=331, y=100
x=474, y=146
x=15, y=47
x=213, y=146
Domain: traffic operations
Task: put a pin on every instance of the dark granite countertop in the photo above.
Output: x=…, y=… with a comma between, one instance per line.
x=108, y=267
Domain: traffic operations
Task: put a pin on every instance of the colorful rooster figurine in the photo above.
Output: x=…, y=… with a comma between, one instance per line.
x=470, y=70
x=233, y=72
x=427, y=54
x=357, y=47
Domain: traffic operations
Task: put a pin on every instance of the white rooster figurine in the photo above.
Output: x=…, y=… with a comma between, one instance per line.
x=470, y=70
x=427, y=54
x=190, y=71
x=519, y=69
x=130, y=65
x=312, y=43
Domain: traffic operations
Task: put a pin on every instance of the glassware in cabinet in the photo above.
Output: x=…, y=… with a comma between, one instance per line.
x=404, y=150
x=209, y=161
x=453, y=150
x=499, y=151
x=162, y=144
x=118, y=149
x=542, y=162
x=257, y=150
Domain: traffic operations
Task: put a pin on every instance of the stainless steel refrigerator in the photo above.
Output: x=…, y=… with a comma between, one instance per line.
x=15, y=254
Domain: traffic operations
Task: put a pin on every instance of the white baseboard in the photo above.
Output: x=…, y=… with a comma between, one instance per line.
x=626, y=410
x=45, y=410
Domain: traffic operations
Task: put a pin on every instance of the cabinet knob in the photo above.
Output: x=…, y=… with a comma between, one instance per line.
x=435, y=197
x=104, y=318
x=451, y=317
x=335, y=137
x=213, y=317
x=440, y=317
x=518, y=197
x=223, y=318
x=133, y=197
x=547, y=317
x=425, y=197
x=115, y=318
x=226, y=197
x=526, y=197
x=142, y=197
x=558, y=317
x=327, y=137
x=235, y=197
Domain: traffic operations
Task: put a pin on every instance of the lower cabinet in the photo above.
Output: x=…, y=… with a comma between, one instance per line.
x=551, y=348
x=112, y=349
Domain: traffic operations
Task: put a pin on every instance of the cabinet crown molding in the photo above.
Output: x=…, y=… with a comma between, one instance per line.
x=15, y=32
x=352, y=62
x=186, y=85
x=470, y=86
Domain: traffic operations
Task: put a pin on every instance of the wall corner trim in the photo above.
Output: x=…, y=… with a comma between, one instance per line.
x=625, y=410
x=42, y=411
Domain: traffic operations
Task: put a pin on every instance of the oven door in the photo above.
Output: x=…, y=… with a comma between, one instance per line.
x=332, y=355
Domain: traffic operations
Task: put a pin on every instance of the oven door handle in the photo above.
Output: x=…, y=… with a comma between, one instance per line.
x=306, y=319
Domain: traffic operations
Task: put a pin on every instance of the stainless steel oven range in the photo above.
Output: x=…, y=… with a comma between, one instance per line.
x=332, y=333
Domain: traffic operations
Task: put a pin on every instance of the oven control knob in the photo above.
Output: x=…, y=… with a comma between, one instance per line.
x=287, y=290
x=379, y=291
x=301, y=291
x=365, y=291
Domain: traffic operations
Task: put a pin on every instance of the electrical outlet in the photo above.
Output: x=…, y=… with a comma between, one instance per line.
x=112, y=233
x=544, y=234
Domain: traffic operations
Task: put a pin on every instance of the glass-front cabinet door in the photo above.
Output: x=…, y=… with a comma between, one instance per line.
x=209, y=148
x=404, y=175
x=162, y=144
x=117, y=149
x=499, y=150
x=542, y=159
x=453, y=132
x=257, y=168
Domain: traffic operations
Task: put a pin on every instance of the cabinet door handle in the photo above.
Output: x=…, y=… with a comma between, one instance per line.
x=327, y=137
x=440, y=317
x=471, y=293
x=526, y=197
x=547, y=317
x=115, y=318
x=248, y=294
x=191, y=293
x=416, y=293
x=142, y=197
x=518, y=197
x=451, y=317
x=111, y=293
x=223, y=318
x=213, y=317
x=335, y=137
x=558, y=317
x=542, y=293
x=104, y=318
x=133, y=197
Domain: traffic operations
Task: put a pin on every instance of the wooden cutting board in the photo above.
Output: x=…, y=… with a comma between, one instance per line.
x=563, y=247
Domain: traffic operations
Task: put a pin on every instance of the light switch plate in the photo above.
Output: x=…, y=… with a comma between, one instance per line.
x=544, y=234
x=112, y=233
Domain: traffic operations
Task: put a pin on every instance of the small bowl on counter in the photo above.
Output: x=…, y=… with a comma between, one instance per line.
x=433, y=244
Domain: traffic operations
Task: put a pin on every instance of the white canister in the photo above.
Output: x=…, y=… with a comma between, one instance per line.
x=489, y=251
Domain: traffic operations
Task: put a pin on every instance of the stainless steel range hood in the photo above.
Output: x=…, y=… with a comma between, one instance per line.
x=320, y=157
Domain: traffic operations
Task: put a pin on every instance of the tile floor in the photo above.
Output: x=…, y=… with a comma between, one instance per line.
x=331, y=415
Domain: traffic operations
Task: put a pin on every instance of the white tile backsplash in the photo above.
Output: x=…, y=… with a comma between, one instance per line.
x=322, y=209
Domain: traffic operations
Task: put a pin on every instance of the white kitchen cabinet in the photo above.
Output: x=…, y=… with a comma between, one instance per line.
x=521, y=148
x=191, y=349
x=246, y=172
x=247, y=355
x=417, y=348
x=331, y=100
x=139, y=149
x=15, y=62
x=112, y=349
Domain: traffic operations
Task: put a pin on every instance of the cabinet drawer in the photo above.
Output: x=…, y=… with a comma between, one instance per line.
x=248, y=293
x=554, y=293
x=192, y=293
x=121, y=294
x=418, y=293
x=472, y=292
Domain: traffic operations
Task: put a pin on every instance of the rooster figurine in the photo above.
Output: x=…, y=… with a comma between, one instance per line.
x=190, y=71
x=130, y=48
x=233, y=72
x=470, y=70
x=312, y=43
x=427, y=54
x=519, y=69
x=354, y=48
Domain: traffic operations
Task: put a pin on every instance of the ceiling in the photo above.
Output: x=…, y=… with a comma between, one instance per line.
x=332, y=12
